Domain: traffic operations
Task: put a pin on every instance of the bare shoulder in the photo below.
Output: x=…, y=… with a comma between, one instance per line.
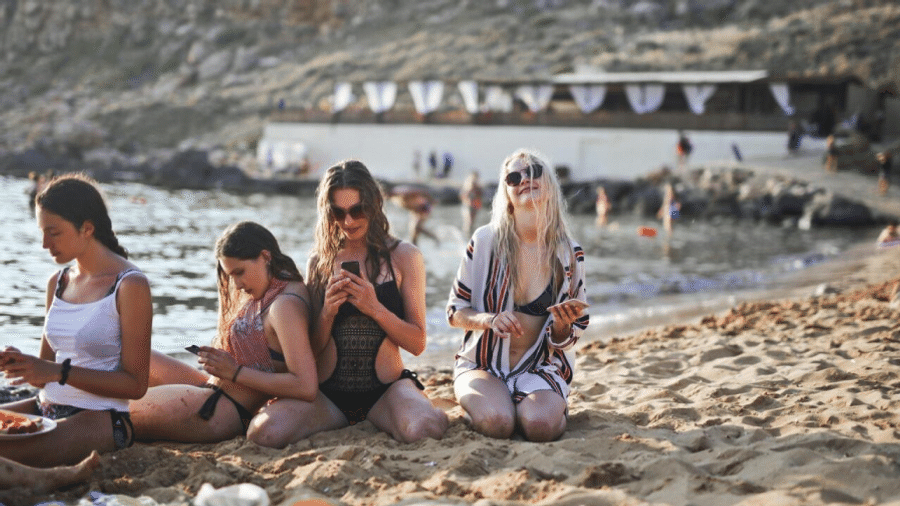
x=135, y=284
x=297, y=288
x=290, y=298
x=406, y=253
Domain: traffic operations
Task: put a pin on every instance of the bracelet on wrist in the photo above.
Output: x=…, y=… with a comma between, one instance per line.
x=64, y=371
x=236, y=372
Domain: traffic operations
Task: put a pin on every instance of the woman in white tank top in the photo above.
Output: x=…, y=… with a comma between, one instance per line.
x=95, y=350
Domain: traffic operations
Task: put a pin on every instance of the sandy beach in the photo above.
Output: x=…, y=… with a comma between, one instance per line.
x=776, y=402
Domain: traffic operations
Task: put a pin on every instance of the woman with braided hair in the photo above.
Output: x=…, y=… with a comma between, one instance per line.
x=95, y=348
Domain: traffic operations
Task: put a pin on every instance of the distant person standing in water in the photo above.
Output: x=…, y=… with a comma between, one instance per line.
x=418, y=201
x=885, y=162
x=470, y=195
x=602, y=205
x=670, y=208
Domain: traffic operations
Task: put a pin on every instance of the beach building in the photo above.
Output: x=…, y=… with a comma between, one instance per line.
x=590, y=123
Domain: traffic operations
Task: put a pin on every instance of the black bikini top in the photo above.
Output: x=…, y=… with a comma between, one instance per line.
x=538, y=307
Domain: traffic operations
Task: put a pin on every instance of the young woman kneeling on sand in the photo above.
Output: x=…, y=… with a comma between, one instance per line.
x=519, y=295
x=95, y=351
x=369, y=294
x=261, y=349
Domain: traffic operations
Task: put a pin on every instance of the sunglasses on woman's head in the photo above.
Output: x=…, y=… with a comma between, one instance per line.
x=515, y=178
x=356, y=212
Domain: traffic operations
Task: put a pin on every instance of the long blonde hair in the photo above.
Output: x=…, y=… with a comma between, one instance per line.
x=349, y=174
x=552, y=226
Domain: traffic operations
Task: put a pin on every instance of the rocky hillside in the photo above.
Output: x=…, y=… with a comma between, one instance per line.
x=142, y=75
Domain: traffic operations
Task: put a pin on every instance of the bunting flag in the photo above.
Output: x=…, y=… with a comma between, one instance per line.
x=782, y=95
x=536, y=97
x=589, y=97
x=645, y=98
x=426, y=95
x=497, y=99
x=343, y=96
x=469, y=92
x=697, y=95
x=380, y=94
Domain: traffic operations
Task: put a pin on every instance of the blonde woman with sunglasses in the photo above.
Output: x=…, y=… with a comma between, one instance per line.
x=519, y=295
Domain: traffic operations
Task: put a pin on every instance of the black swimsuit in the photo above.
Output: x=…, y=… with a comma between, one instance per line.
x=538, y=307
x=354, y=386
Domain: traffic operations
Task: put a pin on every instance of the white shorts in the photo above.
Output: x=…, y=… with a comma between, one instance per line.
x=523, y=383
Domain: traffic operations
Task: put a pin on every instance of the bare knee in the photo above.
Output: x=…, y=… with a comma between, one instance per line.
x=494, y=424
x=265, y=433
x=432, y=425
x=542, y=429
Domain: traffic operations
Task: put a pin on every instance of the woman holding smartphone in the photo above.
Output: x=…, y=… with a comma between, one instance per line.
x=261, y=349
x=368, y=290
x=519, y=294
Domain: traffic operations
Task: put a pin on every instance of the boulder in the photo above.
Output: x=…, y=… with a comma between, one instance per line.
x=827, y=209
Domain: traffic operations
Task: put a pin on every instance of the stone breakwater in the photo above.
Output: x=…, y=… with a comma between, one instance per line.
x=703, y=193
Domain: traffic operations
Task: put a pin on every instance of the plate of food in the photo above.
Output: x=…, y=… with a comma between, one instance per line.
x=18, y=425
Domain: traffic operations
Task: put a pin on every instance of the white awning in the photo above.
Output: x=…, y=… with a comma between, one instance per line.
x=678, y=77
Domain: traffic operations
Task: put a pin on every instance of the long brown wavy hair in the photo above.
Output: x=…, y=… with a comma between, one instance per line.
x=246, y=240
x=349, y=174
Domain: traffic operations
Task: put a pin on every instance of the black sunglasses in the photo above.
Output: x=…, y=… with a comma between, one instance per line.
x=356, y=212
x=515, y=178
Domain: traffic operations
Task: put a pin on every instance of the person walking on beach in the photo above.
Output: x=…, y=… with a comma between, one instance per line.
x=368, y=291
x=519, y=295
x=261, y=349
x=470, y=195
x=95, y=349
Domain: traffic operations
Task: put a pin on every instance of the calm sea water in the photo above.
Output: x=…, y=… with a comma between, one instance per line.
x=170, y=235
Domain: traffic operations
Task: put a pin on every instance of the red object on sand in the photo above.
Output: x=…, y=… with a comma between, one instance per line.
x=646, y=231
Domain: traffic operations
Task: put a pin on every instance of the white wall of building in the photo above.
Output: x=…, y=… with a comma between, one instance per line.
x=590, y=153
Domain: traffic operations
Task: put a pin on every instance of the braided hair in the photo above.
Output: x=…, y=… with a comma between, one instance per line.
x=77, y=199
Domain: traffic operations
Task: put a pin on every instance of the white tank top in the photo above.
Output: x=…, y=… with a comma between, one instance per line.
x=91, y=336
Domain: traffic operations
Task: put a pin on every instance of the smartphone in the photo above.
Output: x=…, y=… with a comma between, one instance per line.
x=575, y=304
x=351, y=266
x=193, y=349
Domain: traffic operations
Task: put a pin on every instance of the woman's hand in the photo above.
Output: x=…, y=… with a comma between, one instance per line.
x=334, y=296
x=505, y=324
x=564, y=315
x=217, y=362
x=361, y=293
x=21, y=368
